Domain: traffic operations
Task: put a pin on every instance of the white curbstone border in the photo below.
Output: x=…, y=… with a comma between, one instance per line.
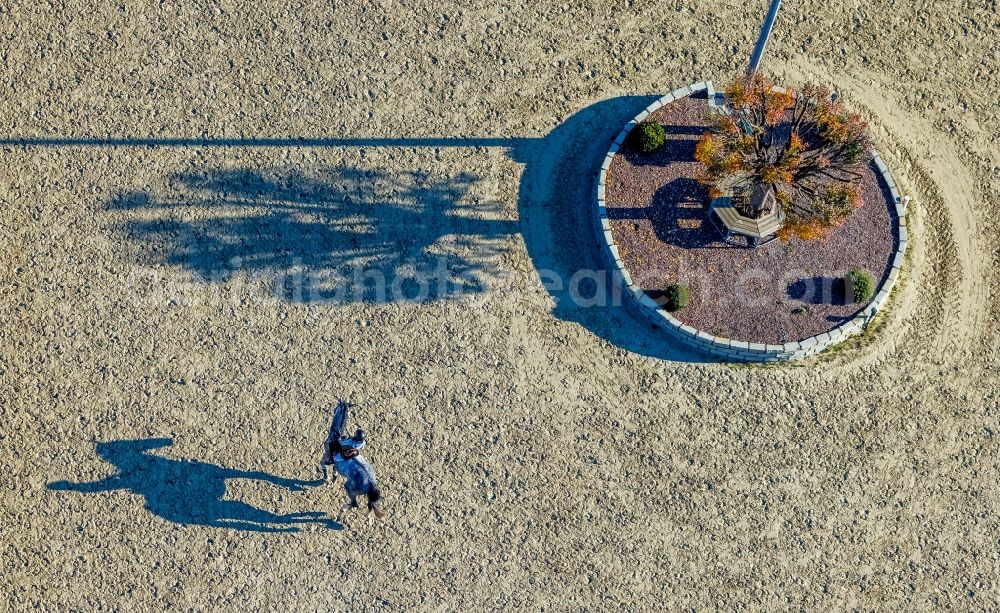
x=728, y=349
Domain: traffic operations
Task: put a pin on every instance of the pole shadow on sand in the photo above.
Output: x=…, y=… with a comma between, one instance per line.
x=306, y=220
x=189, y=492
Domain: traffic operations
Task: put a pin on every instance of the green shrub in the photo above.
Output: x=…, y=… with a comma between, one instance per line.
x=860, y=285
x=650, y=136
x=676, y=297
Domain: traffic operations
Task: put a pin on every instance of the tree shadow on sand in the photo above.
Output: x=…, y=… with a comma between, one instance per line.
x=337, y=234
x=305, y=230
x=189, y=492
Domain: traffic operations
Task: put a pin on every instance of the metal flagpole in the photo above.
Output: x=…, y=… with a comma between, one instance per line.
x=765, y=34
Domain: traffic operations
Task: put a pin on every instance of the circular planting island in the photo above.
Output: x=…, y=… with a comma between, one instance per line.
x=782, y=300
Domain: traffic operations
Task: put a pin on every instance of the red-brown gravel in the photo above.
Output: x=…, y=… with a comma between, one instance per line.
x=777, y=293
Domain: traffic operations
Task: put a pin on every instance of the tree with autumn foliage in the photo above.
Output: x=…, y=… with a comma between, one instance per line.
x=807, y=147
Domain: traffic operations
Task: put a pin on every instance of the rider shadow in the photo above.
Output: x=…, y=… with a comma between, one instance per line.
x=189, y=492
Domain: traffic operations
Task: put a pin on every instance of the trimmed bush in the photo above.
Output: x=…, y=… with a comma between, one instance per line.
x=676, y=297
x=650, y=136
x=860, y=285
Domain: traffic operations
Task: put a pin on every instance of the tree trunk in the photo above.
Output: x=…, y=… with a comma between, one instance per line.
x=762, y=200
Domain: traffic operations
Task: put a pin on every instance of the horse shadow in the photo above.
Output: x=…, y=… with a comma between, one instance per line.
x=189, y=492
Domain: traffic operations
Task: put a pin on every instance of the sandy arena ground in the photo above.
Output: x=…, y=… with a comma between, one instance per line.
x=535, y=453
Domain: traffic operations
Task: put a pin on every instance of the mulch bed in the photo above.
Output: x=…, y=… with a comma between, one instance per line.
x=777, y=293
